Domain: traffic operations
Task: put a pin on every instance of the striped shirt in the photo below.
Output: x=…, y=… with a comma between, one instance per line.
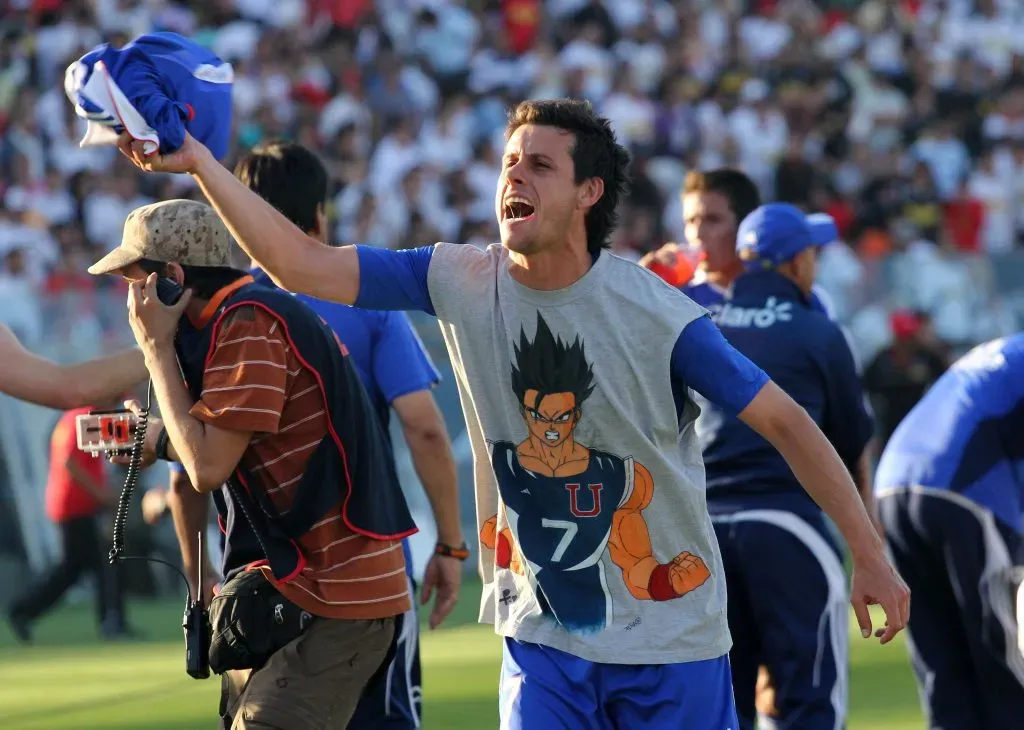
x=254, y=382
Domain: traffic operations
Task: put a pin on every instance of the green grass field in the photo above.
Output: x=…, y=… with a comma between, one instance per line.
x=68, y=679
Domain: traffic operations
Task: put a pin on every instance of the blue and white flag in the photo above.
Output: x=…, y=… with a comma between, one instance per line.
x=156, y=88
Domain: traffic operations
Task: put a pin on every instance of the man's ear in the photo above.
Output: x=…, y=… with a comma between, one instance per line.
x=174, y=271
x=320, y=222
x=590, y=191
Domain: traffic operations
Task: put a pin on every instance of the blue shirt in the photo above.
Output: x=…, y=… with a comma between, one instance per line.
x=711, y=296
x=967, y=433
x=701, y=358
x=768, y=319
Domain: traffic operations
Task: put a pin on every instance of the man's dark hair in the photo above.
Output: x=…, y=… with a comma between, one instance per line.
x=204, y=281
x=549, y=365
x=595, y=153
x=733, y=185
x=288, y=176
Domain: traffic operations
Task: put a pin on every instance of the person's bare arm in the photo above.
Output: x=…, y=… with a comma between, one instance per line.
x=190, y=511
x=864, y=478
x=817, y=466
x=425, y=433
x=292, y=259
x=431, y=451
x=32, y=378
x=208, y=453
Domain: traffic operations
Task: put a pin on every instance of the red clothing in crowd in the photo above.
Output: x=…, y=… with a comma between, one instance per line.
x=522, y=21
x=964, y=219
x=66, y=499
x=343, y=13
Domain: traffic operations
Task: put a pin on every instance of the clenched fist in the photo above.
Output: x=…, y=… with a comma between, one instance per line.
x=687, y=572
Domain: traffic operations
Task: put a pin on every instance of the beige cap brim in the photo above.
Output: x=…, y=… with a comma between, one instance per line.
x=116, y=259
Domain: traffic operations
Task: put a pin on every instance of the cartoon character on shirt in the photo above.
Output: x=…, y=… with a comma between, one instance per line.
x=564, y=504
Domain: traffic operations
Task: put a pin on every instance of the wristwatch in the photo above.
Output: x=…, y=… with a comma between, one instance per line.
x=160, y=449
x=459, y=553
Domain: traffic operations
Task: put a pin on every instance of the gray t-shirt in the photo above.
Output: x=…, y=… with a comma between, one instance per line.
x=589, y=488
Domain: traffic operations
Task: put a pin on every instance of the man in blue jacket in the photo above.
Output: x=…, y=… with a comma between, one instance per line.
x=788, y=613
x=950, y=489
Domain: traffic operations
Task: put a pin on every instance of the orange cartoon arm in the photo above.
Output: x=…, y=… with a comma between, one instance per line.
x=629, y=547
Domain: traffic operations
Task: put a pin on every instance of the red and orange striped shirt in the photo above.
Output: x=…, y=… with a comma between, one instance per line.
x=255, y=382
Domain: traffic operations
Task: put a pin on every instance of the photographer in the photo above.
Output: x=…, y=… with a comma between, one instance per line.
x=272, y=409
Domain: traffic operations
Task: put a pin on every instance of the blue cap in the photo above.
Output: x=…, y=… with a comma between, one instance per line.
x=823, y=228
x=773, y=234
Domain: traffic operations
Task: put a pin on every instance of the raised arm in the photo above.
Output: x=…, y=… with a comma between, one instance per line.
x=28, y=377
x=292, y=259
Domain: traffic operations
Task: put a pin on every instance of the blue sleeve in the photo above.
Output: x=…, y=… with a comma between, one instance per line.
x=175, y=467
x=390, y=279
x=401, y=364
x=848, y=421
x=704, y=360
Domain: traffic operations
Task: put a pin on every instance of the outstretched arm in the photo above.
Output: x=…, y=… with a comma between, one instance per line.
x=629, y=547
x=706, y=362
x=28, y=377
x=292, y=259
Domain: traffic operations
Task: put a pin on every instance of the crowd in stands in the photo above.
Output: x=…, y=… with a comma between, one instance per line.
x=904, y=119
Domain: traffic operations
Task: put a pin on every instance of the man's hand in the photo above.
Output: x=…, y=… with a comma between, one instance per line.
x=876, y=582
x=666, y=256
x=764, y=694
x=443, y=574
x=153, y=323
x=671, y=263
x=153, y=428
x=184, y=160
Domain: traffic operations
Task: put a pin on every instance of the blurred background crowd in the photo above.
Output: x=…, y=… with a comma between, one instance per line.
x=903, y=119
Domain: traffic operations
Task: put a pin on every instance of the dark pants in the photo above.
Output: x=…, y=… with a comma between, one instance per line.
x=394, y=701
x=962, y=635
x=83, y=553
x=788, y=611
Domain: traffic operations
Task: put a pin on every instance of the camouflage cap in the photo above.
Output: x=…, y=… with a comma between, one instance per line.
x=183, y=231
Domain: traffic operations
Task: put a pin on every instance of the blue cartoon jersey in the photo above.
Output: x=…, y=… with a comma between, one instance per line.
x=967, y=433
x=563, y=524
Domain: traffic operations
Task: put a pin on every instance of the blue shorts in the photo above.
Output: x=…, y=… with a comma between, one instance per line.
x=545, y=688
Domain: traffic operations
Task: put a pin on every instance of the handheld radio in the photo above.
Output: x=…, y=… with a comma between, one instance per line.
x=118, y=432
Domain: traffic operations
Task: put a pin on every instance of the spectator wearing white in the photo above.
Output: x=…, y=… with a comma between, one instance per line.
x=945, y=155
